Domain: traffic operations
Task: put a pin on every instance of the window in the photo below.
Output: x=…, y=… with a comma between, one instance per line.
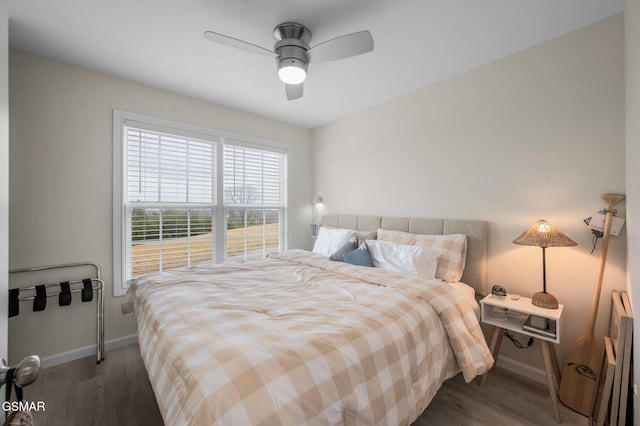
x=185, y=195
x=254, y=196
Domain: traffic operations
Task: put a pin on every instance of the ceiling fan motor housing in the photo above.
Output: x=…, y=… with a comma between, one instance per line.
x=292, y=44
x=292, y=30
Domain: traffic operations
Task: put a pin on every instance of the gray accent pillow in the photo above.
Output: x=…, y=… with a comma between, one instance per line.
x=348, y=247
x=359, y=257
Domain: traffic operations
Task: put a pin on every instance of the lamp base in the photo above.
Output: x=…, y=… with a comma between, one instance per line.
x=544, y=300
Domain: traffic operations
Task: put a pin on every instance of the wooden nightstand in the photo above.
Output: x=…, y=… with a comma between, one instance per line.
x=509, y=314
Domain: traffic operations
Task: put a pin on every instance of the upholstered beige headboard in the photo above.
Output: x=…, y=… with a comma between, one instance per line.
x=475, y=271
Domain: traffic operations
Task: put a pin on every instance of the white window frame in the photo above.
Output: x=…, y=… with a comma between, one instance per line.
x=120, y=119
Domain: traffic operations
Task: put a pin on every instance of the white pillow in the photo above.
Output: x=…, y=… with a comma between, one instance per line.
x=403, y=258
x=451, y=249
x=331, y=239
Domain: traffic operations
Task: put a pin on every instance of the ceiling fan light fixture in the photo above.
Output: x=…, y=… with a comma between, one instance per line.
x=292, y=71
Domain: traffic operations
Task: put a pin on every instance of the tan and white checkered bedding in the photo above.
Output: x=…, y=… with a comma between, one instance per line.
x=298, y=339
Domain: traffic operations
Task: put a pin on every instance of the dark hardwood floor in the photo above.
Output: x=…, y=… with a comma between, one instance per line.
x=83, y=393
x=118, y=392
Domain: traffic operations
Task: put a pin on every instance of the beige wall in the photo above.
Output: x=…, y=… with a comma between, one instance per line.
x=538, y=134
x=632, y=91
x=61, y=182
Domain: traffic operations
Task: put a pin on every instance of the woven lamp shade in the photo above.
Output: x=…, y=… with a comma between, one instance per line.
x=543, y=234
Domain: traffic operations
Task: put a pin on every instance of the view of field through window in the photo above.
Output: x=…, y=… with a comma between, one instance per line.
x=174, y=203
x=170, y=238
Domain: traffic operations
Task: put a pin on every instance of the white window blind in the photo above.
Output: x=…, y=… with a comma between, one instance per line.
x=170, y=203
x=185, y=195
x=163, y=168
x=254, y=200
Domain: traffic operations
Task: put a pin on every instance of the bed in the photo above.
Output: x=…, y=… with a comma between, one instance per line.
x=298, y=338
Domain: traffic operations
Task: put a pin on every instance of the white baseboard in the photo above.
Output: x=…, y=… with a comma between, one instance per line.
x=86, y=351
x=522, y=369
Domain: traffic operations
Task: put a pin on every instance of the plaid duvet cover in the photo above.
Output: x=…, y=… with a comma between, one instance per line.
x=297, y=339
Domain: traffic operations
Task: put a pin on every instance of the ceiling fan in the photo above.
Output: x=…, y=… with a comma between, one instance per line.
x=293, y=53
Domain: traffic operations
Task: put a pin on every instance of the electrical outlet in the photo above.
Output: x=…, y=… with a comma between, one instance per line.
x=314, y=228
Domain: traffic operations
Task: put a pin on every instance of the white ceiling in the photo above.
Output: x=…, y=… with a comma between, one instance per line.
x=417, y=43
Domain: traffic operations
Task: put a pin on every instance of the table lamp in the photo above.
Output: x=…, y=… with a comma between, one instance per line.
x=543, y=234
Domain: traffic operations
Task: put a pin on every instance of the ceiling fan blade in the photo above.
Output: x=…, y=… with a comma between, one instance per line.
x=239, y=44
x=294, y=91
x=342, y=47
